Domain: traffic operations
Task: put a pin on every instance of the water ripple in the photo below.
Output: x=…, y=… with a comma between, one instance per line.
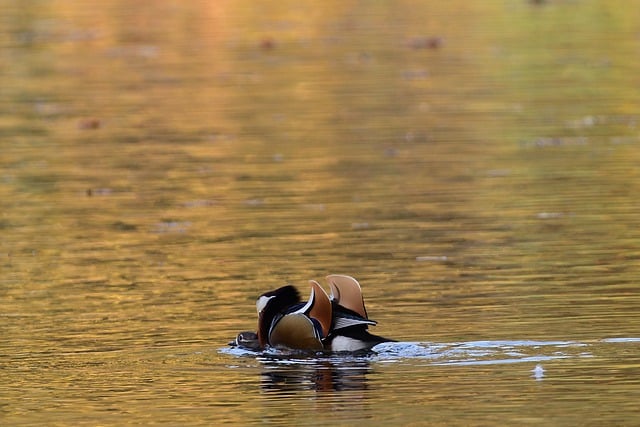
x=478, y=352
x=459, y=353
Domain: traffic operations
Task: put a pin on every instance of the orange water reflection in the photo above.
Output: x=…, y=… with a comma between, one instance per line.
x=474, y=165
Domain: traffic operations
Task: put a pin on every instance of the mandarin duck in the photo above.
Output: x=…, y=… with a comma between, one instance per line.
x=337, y=323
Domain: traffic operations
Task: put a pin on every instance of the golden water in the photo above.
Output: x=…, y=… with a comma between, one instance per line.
x=474, y=164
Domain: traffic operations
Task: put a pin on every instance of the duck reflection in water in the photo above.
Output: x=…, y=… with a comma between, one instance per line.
x=318, y=375
x=336, y=323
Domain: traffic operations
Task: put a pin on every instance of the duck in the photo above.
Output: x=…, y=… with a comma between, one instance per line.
x=335, y=323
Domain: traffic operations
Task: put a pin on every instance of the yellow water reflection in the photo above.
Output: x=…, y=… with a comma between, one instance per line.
x=473, y=164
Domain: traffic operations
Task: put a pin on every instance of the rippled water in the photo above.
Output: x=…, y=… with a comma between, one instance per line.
x=473, y=164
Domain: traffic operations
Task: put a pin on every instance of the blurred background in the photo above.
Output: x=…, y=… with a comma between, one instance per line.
x=162, y=163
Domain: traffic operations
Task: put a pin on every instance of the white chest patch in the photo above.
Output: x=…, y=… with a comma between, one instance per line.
x=341, y=343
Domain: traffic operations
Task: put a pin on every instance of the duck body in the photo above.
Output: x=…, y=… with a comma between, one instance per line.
x=337, y=323
x=350, y=332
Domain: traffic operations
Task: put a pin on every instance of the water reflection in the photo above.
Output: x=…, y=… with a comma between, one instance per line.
x=474, y=163
x=293, y=374
x=290, y=377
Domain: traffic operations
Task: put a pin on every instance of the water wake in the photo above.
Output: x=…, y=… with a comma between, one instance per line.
x=284, y=371
x=457, y=353
x=479, y=352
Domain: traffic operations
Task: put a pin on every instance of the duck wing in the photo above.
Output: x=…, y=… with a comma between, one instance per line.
x=319, y=307
x=346, y=318
x=346, y=291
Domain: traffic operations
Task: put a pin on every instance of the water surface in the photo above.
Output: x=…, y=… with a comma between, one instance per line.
x=473, y=164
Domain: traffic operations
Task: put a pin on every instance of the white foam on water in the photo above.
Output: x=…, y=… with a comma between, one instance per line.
x=622, y=340
x=483, y=352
